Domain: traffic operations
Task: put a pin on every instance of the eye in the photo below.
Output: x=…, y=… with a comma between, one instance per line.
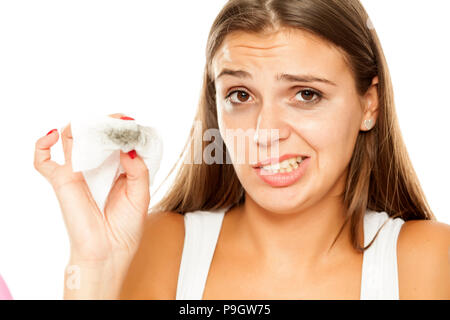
x=307, y=96
x=237, y=97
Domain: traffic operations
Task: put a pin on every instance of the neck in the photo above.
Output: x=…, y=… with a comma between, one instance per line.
x=305, y=236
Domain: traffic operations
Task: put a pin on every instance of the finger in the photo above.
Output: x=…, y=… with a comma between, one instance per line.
x=117, y=115
x=120, y=116
x=42, y=154
x=67, y=142
x=137, y=178
x=116, y=188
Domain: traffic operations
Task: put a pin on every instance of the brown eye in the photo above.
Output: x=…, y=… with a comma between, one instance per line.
x=242, y=96
x=239, y=96
x=308, y=95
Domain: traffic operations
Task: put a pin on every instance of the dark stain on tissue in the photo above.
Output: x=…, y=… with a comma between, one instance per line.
x=124, y=137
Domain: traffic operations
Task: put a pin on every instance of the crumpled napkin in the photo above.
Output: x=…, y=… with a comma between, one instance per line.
x=97, y=142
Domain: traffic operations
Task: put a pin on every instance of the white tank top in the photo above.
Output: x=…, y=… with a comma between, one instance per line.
x=379, y=269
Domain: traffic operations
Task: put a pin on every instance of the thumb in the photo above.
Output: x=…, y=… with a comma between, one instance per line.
x=137, y=179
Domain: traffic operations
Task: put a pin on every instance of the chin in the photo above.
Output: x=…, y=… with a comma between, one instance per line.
x=279, y=200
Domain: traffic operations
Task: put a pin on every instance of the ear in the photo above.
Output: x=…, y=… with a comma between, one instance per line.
x=370, y=104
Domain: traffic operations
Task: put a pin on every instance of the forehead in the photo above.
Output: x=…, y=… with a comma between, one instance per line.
x=284, y=50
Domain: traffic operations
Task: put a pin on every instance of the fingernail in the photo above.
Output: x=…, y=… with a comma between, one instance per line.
x=51, y=131
x=126, y=118
x=132, y=154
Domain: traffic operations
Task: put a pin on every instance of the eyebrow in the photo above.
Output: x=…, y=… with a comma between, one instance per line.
x=280, y=77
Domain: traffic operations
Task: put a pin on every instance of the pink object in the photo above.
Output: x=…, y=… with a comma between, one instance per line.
x=4, y=292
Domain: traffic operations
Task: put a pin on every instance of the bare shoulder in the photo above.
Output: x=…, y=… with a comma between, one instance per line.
x=423, y=255
x=153, y=273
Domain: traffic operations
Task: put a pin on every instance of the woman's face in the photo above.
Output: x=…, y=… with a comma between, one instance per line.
x=318, y=115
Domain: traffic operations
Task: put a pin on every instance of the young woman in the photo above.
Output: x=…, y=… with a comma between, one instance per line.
x=340, y=214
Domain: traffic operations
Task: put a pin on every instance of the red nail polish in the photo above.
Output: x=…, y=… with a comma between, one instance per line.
x=126, y=118
x=51, y=131
x=132, y=154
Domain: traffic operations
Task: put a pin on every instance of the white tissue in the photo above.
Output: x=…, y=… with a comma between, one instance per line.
x=96, y=151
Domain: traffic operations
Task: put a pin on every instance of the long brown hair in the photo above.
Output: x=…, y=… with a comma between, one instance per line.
x=380, y=177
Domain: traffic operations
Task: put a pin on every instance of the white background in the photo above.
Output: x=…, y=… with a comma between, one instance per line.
x=64, y=59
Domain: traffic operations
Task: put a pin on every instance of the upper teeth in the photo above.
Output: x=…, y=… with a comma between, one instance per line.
x=285, y=166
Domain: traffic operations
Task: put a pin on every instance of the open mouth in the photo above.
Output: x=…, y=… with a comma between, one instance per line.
x=284, y=173
x=285, y=166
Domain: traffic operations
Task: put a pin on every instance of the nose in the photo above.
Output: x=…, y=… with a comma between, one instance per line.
x=270, y=128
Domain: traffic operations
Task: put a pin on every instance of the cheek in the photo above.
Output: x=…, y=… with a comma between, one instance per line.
x=240, y=127
x=235, y=117
x=330, y=134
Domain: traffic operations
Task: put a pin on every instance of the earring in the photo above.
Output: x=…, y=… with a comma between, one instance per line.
x=368, y=124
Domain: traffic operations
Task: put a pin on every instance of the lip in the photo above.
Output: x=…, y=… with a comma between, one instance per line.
x=283, y=179
x=277, y=160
